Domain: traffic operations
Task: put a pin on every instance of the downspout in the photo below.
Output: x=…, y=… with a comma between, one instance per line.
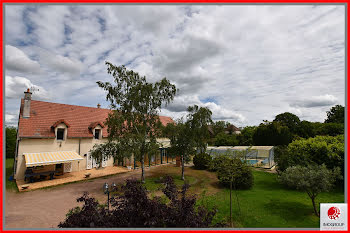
x=79, y=146
x=18, y=139
x=16, y=156
x=79, y=153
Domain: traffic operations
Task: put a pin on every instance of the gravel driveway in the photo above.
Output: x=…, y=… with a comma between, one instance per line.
x=46, y=208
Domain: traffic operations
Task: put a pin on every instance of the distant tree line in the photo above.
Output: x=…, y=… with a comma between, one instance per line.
x=285, y=128
x=11, y=135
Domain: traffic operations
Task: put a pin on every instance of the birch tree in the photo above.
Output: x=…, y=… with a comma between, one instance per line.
x=134, y=122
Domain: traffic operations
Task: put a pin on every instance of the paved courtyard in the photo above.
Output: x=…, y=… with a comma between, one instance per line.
x=46, y=208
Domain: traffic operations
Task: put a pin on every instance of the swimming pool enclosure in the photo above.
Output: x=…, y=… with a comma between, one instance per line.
x=258, y=156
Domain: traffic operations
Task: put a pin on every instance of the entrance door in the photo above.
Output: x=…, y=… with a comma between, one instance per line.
x=88, y=161
x=94, y=164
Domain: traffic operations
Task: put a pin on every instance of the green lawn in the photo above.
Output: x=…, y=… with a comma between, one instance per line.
x=11, y=185
x=267, y=204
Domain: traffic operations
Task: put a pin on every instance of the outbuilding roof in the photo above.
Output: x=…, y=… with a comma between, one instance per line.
x=43, y=115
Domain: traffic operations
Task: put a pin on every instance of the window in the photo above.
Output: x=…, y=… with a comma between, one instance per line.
x=60, y=134
x=97, y=133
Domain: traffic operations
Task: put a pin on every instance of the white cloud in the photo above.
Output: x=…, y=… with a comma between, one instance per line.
x=220, y=113
x=17, y=60
x=11, y=119
x=14, y=16
x=16, y=86
x=272, y=59
x=60, y=63
x=181, y=104
x=47, y=25
x=316, y=101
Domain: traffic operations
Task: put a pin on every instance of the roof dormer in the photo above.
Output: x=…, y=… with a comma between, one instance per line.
x=96, y=129
x=60, y=127
x=61, y=121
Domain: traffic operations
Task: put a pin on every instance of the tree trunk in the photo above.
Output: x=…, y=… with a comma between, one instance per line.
x=231, y=225
x=183, y=168
x=239, y=207
x=315, y=208
x=143, y=169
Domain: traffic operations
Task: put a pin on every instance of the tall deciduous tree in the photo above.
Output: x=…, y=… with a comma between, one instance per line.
x=306, y=129
x=219, y=127
x=246, y=136
x=335, y=115
x=272, y=134
x=199, y=118
x=181, y=141
x=223, y=139
x=134, y=123
x=187, y=135
x=288, y=119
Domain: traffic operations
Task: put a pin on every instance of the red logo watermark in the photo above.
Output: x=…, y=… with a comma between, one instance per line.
x=333, y=213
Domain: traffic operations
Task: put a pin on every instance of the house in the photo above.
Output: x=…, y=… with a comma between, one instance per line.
x=230, y=129
x=58, y=137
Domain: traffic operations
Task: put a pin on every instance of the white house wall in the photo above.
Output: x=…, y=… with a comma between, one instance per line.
x=163, y=142
x=52, y=145
x=31, y=145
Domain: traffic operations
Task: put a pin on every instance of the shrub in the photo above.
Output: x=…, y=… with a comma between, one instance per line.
x=281, y=158
x=319, y=150
x=202, y=161
x=134, y=208
x=217, y=162
x=312, y=179
x=236, y=171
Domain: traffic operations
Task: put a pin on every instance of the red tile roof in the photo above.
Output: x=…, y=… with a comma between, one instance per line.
x=43, y=115
x=232, y=128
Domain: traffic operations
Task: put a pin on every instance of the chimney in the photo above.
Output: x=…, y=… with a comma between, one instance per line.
x=26, y=105
x=98, y=105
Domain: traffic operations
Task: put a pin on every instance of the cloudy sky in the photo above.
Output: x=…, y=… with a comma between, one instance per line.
x=246, y=63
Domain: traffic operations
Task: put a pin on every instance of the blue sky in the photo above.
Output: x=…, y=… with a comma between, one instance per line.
x=246, y=63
